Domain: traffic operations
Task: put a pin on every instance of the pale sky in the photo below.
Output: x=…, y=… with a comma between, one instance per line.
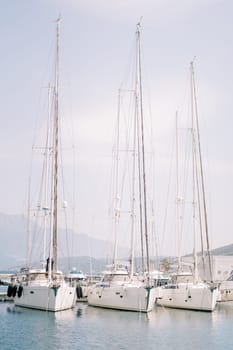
x=96, y=41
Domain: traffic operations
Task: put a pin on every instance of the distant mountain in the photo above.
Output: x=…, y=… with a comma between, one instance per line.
x=225, y=250
x=88, y=253
x=13, y=238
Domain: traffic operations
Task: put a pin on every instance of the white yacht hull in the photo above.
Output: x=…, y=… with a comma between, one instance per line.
x=47, y=298
x=198, y=296
x=128, y=297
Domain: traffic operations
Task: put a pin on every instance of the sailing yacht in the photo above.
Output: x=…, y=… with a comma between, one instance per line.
x=120, y=288
x=186, y=290
x=46, y=288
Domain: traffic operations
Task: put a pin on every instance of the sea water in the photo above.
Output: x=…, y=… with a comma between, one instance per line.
x=86, y=327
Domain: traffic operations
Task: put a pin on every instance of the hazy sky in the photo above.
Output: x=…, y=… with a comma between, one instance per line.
x=97, y=37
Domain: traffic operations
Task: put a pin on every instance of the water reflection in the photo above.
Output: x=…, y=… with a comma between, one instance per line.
x=224, y=309
x=13, y=309
x=97, y=328
x=38, y=314
x=79, y=312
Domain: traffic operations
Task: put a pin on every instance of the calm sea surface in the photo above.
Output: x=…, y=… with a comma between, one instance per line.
x=86, y=327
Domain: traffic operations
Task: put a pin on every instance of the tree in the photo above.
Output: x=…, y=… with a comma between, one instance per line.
x=165, y=264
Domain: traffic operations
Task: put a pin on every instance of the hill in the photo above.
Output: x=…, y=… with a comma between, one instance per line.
x=13, y=238
x=225, y=250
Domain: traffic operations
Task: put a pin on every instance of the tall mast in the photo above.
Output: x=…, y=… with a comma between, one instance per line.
x=193, y=176
x=116, y=183
x=56, y=120
x=47, y=154
x=133, y=212
x=140, y=193
x=137, y=116
x=202, y=179
x=143, y=149
x=178, y=194
x=29, y=238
